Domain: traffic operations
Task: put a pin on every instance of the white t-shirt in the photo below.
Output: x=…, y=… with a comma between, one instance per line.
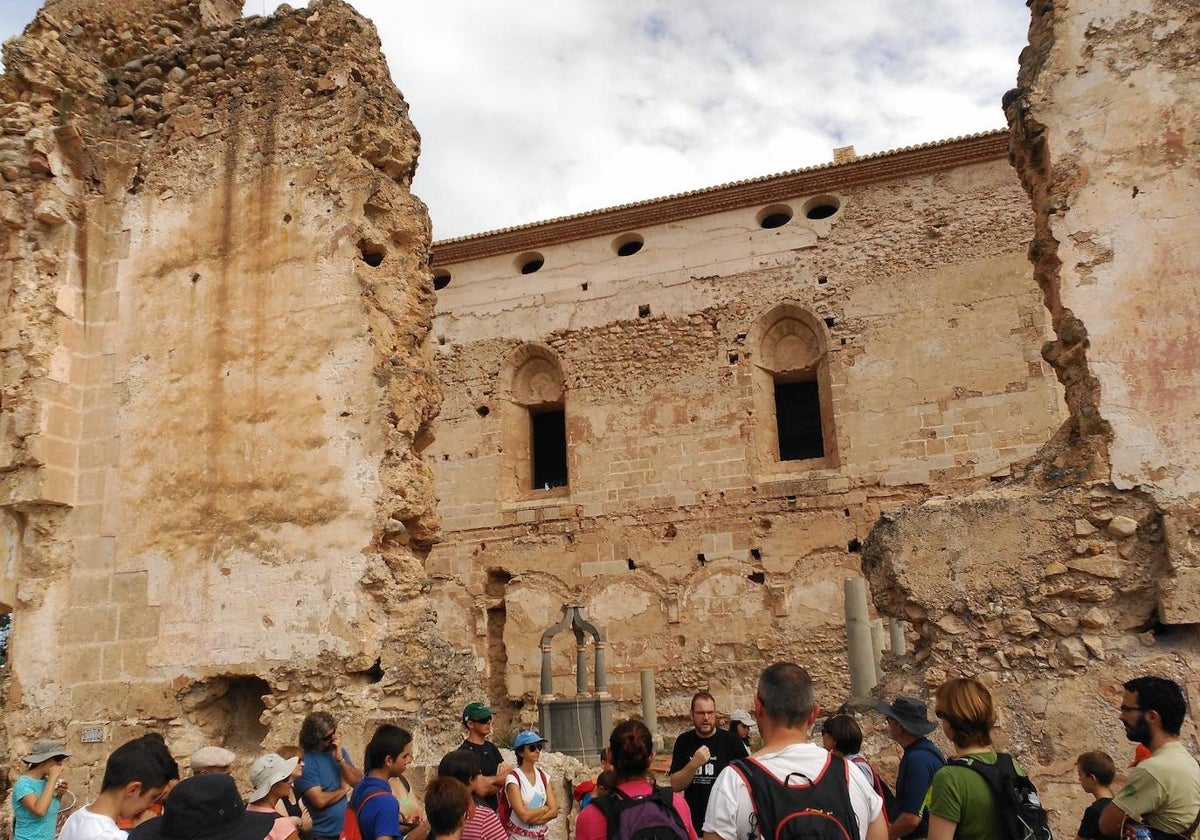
x=88, y=825
x=729, y=807
x=533, y=794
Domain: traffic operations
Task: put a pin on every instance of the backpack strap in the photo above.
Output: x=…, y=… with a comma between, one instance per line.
x=358, y=810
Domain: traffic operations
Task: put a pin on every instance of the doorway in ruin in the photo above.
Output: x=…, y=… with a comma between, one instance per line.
x=229, y=711
x=496, y=683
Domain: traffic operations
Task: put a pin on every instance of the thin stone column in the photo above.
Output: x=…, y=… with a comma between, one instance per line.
x=863, y=677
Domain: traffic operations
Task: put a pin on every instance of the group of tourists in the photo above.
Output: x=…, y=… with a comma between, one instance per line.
x=790, y=787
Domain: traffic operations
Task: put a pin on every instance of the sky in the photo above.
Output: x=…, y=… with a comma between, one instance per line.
x=536, y=109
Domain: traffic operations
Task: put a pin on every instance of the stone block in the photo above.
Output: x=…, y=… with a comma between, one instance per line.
x=1179, y=597
x=81, y=663
x=89, y=625
x=89, y=590
x=129, y=588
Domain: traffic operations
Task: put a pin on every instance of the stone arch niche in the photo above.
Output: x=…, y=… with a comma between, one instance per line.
x=534, y=424
x=793, y=400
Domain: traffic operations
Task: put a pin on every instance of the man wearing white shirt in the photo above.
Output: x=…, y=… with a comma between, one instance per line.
x=785, y=710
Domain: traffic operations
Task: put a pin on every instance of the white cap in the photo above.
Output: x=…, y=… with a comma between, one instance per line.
x=743, y=717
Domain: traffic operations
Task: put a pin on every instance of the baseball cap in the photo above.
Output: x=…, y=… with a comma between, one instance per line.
x=476, y=711
x=743, y=717
x=524, y=739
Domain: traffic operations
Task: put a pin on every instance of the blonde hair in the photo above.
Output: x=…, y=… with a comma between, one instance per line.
x=966, y=705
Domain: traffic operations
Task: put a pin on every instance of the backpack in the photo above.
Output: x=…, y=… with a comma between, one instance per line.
x=649, y=817
x=504, y=807
x=881, y=787
x=1021, y=812
x=812, y=809
x=351, y=830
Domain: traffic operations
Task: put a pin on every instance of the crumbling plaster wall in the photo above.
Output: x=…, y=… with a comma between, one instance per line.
x=216, y=381
x=1096, y=541
x=699, y=552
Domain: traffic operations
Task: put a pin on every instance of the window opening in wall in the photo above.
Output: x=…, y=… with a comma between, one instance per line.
x=5, y=632
x=628, y=245
x=821, y=207
x=549, y=447
x=774, y=216
x=798, y=416
x=531, y=262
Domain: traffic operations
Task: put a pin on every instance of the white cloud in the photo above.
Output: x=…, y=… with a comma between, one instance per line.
x=541, y=108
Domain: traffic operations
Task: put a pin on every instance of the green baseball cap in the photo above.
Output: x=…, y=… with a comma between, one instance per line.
x=476, y=711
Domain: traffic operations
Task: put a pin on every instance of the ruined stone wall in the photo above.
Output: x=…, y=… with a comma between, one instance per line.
x=701, y=553
x=216, y=382
x=1082, y=573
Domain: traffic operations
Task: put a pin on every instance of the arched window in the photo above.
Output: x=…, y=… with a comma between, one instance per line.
x=536, y=429
x=792, y=388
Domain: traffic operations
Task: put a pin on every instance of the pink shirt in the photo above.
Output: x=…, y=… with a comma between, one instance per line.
x=591, y=824
x=483, y=824
x=283, y=827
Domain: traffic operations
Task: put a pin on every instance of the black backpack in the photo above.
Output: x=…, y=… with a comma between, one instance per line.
x=649, y=817
x=811, y=809
x=1021, y=812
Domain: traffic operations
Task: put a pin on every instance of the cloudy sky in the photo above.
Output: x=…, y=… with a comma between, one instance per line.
x=534, y=109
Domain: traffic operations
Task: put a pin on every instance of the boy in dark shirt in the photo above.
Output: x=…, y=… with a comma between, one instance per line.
x=1096, y=773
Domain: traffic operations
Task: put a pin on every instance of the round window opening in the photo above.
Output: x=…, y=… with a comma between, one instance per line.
x=774, y=216
x=531, y=262
x=821, y=207
x=441, y=279
x=628, y=245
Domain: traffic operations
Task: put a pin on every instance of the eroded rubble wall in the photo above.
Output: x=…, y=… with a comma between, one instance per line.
x=216, y=380
x=1058, y=586
x=687, y=539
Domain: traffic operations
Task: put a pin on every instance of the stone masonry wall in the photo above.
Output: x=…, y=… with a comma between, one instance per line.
x=700, y=552
x=1057, y=587
x=216, y=382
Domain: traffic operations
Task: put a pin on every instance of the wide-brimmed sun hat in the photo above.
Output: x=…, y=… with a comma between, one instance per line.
x=44, y=749
x=910, y=713
x=205, y=808
x=269, y=771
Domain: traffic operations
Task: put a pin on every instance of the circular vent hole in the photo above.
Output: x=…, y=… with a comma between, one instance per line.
x=628, y=245
x=531, y=262
x=821, y=207
x=775, y=216
x=441, y=279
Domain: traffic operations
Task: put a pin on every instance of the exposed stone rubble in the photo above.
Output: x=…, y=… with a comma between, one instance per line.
x=216, y=382
x=1083, y=571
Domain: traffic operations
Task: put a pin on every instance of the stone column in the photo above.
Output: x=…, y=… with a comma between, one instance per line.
x=896, y=631
x=649, y=703
x=858, y=640
x=877, y=648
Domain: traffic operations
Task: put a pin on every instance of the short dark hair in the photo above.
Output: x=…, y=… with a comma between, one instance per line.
x=144, y=760
x=1098, y=764
x=847, y=735
x=786, y=693
x=1161, y=695
x=313, y=729
x=701, y=695
x=446, y=804
x=387, y=742
x=460, y=764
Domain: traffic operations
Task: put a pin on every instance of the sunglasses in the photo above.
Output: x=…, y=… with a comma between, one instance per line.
x=330, y=736
x=487, y=719
x=534, y=748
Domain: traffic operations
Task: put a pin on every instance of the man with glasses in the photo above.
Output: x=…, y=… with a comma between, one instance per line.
x=908, y=725
x=328, y=777
x=701, y=754
x=1162, y=791
x=477, y=720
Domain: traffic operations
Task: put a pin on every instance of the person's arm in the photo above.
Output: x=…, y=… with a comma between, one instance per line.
x=551, y=799
x=39, y=806
x=1111, y=819
x=351, y=775
x=522, y=811
x=318, y=798
x=941, y=828
x=418, y=832
x=904, y=825
x=878, y=828
x=682, y=777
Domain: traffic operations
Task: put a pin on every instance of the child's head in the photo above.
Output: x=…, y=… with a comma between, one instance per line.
x=605, y=783
x=606, y=762
x=136, y=773
x=842, y=735
x=390, y=747
x=465, y=766
x=446, y=804
x=1095, y=769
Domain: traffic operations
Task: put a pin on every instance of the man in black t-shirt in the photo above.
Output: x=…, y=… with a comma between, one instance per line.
x=477, y=719
x=701, y=754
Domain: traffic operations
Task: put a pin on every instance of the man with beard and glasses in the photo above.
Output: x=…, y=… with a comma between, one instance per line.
x=328, y=776
x=1162, y=792
x=701, y=754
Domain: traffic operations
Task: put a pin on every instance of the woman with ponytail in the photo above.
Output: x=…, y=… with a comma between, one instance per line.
x=632, y=751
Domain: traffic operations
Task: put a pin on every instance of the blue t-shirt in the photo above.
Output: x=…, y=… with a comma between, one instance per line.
x=321, y=770
x=921, y=760
x=378, y=816
x=29, y=826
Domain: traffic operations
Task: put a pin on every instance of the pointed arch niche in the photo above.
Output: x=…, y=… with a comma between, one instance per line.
x=535, y=423
x=792, y=395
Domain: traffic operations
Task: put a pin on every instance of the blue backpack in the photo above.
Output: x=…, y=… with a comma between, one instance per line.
x=649, y=817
